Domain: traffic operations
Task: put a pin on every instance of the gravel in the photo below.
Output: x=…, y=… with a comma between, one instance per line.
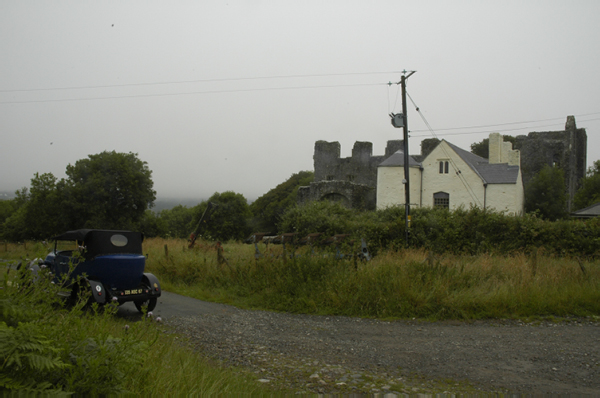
x=333, y=354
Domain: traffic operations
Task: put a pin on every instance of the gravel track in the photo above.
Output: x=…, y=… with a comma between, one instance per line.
x=332, y=354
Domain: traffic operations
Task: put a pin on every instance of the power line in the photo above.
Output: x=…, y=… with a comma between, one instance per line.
x=457, y=171
x=504, y=124
x=196, y=81
x=194, y=93
x=500, y=130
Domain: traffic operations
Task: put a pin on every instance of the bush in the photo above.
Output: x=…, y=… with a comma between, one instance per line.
x=462, y=231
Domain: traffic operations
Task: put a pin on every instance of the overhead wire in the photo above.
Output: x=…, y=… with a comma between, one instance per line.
x=450, y=159
x=192, y=93
x=195, y=81
x=503, y=124
x=502, y=130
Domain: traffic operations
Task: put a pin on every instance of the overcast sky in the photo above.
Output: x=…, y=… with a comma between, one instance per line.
x=231, y=95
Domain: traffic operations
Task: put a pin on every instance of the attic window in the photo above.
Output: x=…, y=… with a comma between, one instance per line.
x=443, y=167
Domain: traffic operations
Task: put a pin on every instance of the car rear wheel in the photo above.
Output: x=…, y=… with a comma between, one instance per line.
x=145, y=305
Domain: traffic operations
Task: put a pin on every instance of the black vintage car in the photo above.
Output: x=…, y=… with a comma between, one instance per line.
x=108, y=263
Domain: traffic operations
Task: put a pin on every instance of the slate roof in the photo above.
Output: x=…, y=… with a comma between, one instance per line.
x=500, y=173
x=588, y=212
x=397, y=159
x=495, y=173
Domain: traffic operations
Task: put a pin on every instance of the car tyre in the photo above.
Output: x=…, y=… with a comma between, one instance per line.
x=145, y=305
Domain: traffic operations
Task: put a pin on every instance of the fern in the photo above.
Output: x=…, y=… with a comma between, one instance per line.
x=27, y=358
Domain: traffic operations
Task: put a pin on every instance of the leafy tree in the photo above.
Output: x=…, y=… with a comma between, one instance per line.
x=589, y=193
x=545, y=194
x=482, y=148
x=267, y=209
x=7, y=209
x=39, y=211
x=229, y=220
x=151, y=225
x=177, y=222
x=109, y=190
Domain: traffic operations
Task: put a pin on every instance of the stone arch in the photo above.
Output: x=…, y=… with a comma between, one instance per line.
x=338, y=198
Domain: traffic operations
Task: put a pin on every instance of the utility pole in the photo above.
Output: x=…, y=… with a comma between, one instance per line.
x=401, y=120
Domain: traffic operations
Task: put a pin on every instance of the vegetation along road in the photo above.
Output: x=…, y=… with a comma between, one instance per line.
x=339, y=354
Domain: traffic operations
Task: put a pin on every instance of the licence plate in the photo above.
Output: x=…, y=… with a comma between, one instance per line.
x=132, y=291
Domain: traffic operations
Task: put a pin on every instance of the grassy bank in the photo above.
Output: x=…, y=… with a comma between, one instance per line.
x=47, y=347
x=403, y=284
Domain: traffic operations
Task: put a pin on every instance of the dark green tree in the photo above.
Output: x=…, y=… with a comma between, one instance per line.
x=546, y=194
x=589, y=193
x=40, y=211
x=177, y=222
x=151, y=225
x=229, y=220
x=267, y=209
x=109, y=190
x=482, y=148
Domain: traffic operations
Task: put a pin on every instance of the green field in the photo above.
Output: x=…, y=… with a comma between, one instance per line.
x=46, y=346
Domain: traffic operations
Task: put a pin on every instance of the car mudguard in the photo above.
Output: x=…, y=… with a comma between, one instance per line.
x=98, y=291
x=153, y=282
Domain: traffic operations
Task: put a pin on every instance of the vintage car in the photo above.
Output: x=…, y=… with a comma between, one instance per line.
x=109, y=264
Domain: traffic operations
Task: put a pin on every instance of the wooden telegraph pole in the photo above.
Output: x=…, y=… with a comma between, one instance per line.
x=401, y=120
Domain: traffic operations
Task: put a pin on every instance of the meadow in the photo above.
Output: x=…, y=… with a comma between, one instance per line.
x=395, y=284
x=46, y=346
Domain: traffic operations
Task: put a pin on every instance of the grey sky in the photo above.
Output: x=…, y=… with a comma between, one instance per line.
x=203, y=90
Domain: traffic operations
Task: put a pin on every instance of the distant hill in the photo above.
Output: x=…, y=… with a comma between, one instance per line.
x=159, y=204
x=5, y=195
x=169, y=203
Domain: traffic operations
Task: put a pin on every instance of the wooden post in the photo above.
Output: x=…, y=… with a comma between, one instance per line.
x=534, y=261
x=581, y=266
x=166, y=251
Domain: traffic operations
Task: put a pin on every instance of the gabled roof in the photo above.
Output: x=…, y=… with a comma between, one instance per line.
x=494, y=173
x=588, y=212
x=397, y=160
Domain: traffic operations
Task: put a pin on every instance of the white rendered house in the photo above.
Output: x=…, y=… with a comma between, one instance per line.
x=451, y=177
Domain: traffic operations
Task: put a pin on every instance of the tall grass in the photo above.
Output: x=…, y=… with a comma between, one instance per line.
x=395, y=284
x=50, y=348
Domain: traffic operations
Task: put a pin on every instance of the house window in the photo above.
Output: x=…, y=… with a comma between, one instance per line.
x=441, y=199
x=351, y=177
x=443, y=167
x=329, y=178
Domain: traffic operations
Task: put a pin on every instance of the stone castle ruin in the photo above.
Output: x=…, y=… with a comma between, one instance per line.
x=353, y=180
x=566, y=149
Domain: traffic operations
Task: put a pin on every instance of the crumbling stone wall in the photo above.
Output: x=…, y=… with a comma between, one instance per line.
x=360, y=168
x=566, y=149
x=349, y=194
x=352, y=180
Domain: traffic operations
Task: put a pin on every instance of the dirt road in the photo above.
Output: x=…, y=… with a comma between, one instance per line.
x=329, y=354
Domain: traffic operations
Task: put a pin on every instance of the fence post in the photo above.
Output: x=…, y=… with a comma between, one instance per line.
x=534, y=261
